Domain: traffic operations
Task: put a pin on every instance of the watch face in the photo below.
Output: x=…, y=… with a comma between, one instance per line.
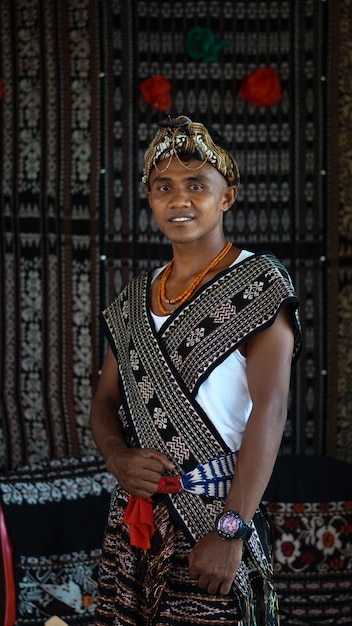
x=229, y=524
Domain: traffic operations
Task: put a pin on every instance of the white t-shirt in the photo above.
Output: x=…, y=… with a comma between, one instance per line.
x=224, y=395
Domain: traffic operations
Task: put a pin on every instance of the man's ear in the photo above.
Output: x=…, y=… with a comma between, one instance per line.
x=230, y=195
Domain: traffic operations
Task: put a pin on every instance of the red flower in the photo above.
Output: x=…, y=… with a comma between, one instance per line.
x=156, y=92
x=328, y=539
x=287, y=548
x=1, y=88
x=336, y=564
x=346, y=529
x=262, y=87
x=307, y=558
x=298, y=507
x=292, y=523
x=273, y=506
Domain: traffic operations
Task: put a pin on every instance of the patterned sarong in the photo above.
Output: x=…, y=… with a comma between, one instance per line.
x=152, y=587
x=160, y=411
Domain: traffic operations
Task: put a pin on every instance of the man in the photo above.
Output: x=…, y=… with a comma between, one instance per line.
x=191, y=405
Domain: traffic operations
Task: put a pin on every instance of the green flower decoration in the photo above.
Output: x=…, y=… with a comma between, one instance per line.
x=202, y=44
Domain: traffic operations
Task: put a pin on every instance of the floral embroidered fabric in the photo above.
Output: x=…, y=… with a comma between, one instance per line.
x=56, y=514
x=313, y=540
x=313, y=565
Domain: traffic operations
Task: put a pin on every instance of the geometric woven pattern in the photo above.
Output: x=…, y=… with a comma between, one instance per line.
x=75, y=224
x=280, y=150
x=340, y=234
x=49, y=147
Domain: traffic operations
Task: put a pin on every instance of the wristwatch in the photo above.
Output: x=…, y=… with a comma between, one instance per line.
x=230, y=525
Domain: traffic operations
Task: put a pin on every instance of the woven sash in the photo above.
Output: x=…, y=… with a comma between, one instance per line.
x=159, y=373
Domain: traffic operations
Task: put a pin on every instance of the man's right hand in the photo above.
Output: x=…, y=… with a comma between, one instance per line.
x=138, y=471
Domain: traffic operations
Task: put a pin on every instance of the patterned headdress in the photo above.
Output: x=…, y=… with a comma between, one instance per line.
x=181, y=136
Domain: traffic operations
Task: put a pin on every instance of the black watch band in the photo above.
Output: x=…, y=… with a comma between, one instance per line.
x=230, y=525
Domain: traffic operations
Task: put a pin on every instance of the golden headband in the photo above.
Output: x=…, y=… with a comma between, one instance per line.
x=182, y=136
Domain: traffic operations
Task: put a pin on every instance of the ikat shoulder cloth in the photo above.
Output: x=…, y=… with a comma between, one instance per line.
x=160, y=372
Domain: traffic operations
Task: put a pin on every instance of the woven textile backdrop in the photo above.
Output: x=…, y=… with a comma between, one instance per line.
x=281, y=151
x=50, y=137
x=75, y=225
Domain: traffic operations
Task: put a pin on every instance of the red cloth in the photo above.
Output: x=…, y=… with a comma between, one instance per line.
x=170, y=484
x=139, y=513
x=139, y=516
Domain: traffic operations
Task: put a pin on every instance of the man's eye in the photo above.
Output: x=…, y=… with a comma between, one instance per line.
x=196, y=186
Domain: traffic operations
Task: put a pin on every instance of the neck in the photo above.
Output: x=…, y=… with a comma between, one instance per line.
x=174, y=301
x=190, y=260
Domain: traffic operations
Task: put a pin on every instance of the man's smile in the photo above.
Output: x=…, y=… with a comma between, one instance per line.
x=181, y=218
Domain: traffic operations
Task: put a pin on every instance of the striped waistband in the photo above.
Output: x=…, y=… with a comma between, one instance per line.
x=212, y=478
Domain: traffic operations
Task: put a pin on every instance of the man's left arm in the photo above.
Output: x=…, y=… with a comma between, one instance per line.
x=214, y=561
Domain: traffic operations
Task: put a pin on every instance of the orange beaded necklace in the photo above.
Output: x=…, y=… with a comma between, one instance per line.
x=186, y=294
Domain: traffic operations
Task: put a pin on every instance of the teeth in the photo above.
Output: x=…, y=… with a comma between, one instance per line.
x=181, y=219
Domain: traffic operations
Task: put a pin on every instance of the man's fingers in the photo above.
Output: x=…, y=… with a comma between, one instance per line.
x=160, y=460
x=225, y=588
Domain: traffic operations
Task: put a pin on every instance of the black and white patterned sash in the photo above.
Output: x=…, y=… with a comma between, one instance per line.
x=160, y=372
x=225, y=314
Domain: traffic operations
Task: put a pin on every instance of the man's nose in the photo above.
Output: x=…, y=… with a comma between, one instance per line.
x=179, y=197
